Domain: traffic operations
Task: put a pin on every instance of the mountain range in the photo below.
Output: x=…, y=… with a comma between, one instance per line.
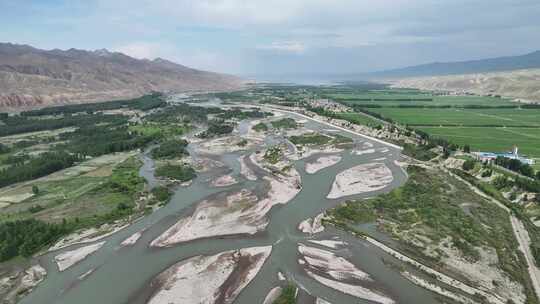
x=31, y=77
x=515, y=77
x=508, y=63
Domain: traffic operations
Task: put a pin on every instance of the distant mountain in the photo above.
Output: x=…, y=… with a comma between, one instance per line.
x=31, y=77
x=509, y=63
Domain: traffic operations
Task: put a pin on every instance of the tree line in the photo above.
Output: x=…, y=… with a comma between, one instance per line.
x=144, y=103
x=39, y=166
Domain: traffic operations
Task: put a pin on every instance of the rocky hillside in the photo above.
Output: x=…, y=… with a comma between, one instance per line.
x=522, y=85
x=31, y=77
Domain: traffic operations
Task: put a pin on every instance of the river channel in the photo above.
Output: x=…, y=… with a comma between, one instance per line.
x=123, y=274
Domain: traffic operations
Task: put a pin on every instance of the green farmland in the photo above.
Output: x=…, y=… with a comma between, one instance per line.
x=462, y=117
x=491, y=139
x=484, y=123
x=385, y=98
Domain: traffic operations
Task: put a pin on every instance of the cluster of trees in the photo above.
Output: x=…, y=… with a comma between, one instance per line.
x=39, y=166
x=420, y=152
x=182, y=173
x=468, y=165
x=183, y=113
x=216, y=128
x=22, y=124
x=162, y=194
x=260, y=127
x=241, y=114
x=143, y=103
x=284, y=123
x=310, y=139
x=100, y=140
x=3, y=148
x=26, y=237
x=515, y=165
x=171, y=149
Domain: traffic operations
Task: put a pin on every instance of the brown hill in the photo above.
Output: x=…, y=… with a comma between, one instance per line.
x=31, y=77
x=522, y=85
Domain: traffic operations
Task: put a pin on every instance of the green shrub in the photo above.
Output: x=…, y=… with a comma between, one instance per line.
x=181, y=173
x=468, y=165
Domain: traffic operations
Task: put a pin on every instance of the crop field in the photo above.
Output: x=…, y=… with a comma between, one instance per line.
x=454, y=118
x=491, y=139
x=462, y=117
x=385, y=98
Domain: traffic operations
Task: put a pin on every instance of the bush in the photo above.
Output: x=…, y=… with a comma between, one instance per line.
x=260, y=127
x=181, y=173
x=162, y=194
x=26, y=237
x=421, y=152
x=287, y=296
x=171, y=149
x=468, y=165
x=3, y=148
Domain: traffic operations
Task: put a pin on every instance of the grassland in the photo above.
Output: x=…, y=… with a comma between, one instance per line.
x=435, y=210
x=83, y=192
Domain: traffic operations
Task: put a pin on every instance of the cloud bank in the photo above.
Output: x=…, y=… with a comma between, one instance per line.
x=281, y=36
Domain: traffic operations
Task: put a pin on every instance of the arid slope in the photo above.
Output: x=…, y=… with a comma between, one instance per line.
x=522, y=85
x=31, y=77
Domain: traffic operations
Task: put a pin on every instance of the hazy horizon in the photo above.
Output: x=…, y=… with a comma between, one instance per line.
x=281, y=37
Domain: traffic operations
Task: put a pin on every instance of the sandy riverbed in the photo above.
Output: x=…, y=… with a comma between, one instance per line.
x=312, y=225
x=239, y=213
x=333, y=244
x=340, y=274
x=360, y=179
x=245, y=170
x=20, y=283
x=131, y=240
x=89, y=235
x=321, y=163
x=72, y=257
x=272, y=296
x=224, y=181
x=209, y=279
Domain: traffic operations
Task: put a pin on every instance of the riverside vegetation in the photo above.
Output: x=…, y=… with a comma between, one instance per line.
x=92, y=143
x=434, y=211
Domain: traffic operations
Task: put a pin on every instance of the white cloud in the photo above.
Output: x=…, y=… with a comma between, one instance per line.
x=217, y=34
x=285, y=46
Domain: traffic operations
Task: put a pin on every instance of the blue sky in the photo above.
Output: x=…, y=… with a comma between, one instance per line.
x=280, y=36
